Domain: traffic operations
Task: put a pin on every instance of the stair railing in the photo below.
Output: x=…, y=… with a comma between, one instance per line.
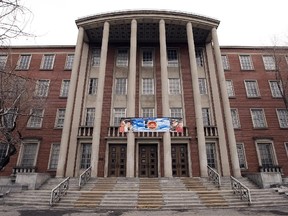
x=59, y=191
x=85, y=177
x=214, y=176
x=241, y=190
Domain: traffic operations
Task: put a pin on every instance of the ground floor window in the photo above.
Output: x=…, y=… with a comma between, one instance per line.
x=211, y=155
x=29, y=154
x=54, y=155
x=266, y=154
x=241, y=156
x=85, y=155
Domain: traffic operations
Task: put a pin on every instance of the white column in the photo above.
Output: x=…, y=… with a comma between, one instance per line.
x=165, y=99
x=99, y=101
x=61, y=168
x=226, y=106
x=197, y=103
x=131, y=98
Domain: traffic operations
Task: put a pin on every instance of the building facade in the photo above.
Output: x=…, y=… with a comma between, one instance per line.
x=154, y=64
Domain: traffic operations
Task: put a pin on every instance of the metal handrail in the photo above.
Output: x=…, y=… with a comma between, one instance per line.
x=241, y=190
x=85, y=177
x=59, y=191
x=214, y=176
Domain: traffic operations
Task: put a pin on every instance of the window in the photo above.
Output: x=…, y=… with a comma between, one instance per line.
x=246, y=62
x=269, y=62
x=3, y=150
x=90, y=115
x=286, y=147
x=252, y=88
x=206, y=116
x=235, y=118
x=93, y=84
x=202, y=86
x=174, y=86
x=42, y=88
x=47, y=62
x=282, y=118
x=59, y=122
x=122, y=58
x=118, y=114
x=225, y=62
x=28, y=157
x=96, y=53
x=36, y=117
x=266, y=154
x=121, y=86
x=276, y=88
x=23, y=62
x=147, y=112
x=3, y=60
x=172, y=58
x=86, y=155
x=211, y=155
x=69, y=61
x=147, y=58
x=176, y=113
x=230, y=88
x=54, y=156
x=199, y=57
x=241, y=156
x=147, y=86
x=258, y=118
x=64, y=88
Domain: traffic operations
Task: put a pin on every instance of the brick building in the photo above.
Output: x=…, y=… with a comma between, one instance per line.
x=152, y=65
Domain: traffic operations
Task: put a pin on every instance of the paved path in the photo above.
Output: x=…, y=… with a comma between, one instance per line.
x=23, y=211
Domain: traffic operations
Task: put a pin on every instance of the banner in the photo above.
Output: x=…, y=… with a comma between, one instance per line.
x=151, y=124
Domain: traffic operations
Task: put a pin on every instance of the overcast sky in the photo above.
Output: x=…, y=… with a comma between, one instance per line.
x=245, y=22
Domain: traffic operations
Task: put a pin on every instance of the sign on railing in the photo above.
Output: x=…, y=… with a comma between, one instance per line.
x=85, y=177
x=214, y=176
x=241, y=190
x=59, y=191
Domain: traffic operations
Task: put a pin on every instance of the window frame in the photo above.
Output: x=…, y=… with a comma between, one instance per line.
x=64, y=91
x=235, y=119
x=88, y=158
x=281, y=123
x=147, y=62
x=176, y=112
x=34, y=118
x=202, y=82
x=118, y=118
x=60, y=118
x=41, y=89
x=244, y=156
x=230, y=89
x=250, y=91
x=247, y=63
x=47, y=63
x=172, y=57
x=95, y=57
x=92, y=86
x=24, y=145
x=207, y=119
x=27, y=62
x=148, y=109
x=272, y=149
x=215, y=157
x=276, y=93
x=122, y=59
x=89, y=116
x=268, y=64
x=148, y=87
x=3, y=61
x=225, y=62
x=254, y=123
x=120, y=88
x=52, y=160
x=174, y=86
x=69, y=61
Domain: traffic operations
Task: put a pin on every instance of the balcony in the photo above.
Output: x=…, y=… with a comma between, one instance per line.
x=210, y=131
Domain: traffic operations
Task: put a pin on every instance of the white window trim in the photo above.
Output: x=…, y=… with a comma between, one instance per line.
x=150, y=63
x=126, y=83
x=205, y=86
x=57, y=118
x=232, y=88
x=29, y=121
x=251, y=61
x=286, y=147
x=62, y=88
x=19, y=60
x=122, y=63
x=237, y=116
x=43, y=60
x=113, y=115
x=278, y=117
x=21, y=152
x=227, y=61
x=270, y=85
x=265, y=66
x=37, y=88
x=244, y=153
x=66, y=61
x=153, y=114
x=152, y=90
x=50, y=156
x=266, y=141
x=257, y=89
x=264, y=116
x=216, y=152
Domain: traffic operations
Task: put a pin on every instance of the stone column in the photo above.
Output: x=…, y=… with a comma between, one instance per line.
x=165, y=99
x=226, y=106
x=99, y=101
x=61, y=168
x=197, y=103
x=131, y=98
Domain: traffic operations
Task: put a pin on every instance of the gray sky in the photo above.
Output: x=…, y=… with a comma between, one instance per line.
x=245, y=22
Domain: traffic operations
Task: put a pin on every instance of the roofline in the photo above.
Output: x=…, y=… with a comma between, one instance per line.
x=37, y=46
x=252, y=47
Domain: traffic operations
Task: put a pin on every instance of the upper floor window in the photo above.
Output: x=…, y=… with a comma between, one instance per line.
x=24, y=62
x=176, y=113
x=206, y=116
x=36, y=117
x=172, y=58
x=90, y=116
x=69, y=61
x=60, y=117
x=121, y=86
x=235, y=118
x=47, y=62
x=64, y=88
x=269, y=62
x=199, y=57
x=246, y=62
x=118, y=114
x=174, y=86
x=96, y=53
x=258, y=118
x=282, y=117
x=252, y=89
x=54, y=156
x=122, y=58
x=202, y=86
x=230, y=88
x=42, y=88
x=276, y=88
x=225, y=62
x=147, y=58
x=93, y=84
x=147, y=112
x=147, y=86
x=3, y=60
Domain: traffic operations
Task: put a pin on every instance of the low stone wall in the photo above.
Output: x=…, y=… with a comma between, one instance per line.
x=266, y=179
x=32, y=180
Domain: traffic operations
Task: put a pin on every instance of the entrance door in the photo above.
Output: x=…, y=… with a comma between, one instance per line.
x=179, y=160
x=117, y=161
x=148, y=161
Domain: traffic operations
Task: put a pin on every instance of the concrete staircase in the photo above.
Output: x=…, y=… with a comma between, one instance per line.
x=146, y=193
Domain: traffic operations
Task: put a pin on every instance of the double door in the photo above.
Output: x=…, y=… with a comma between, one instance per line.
x=117, y=160
x=148, y=161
